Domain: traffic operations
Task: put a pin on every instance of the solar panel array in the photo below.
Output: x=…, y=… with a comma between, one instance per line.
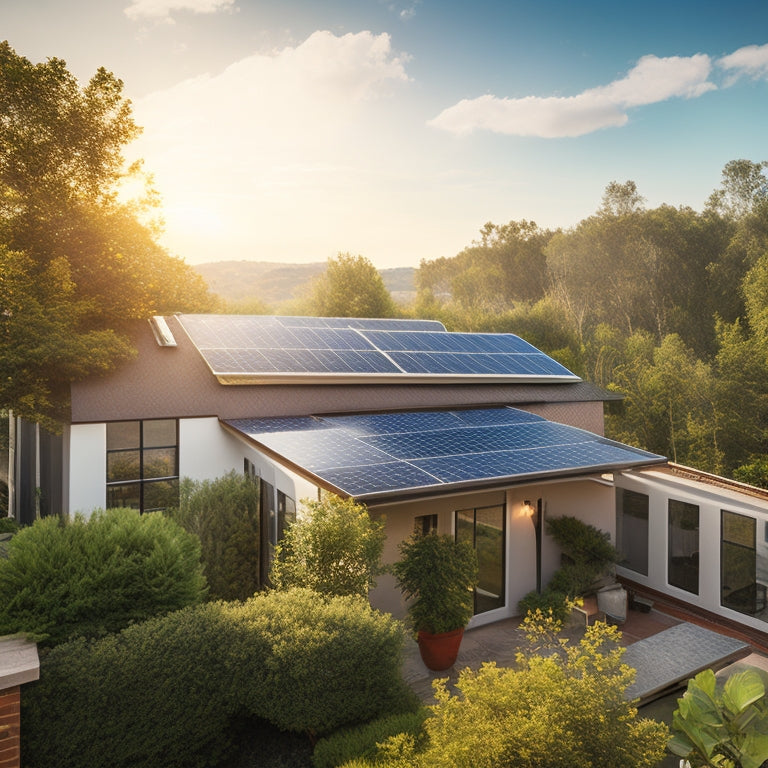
x=371, y=455
x=252, y=349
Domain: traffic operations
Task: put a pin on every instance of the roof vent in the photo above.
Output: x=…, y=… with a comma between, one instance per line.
x=162, y=332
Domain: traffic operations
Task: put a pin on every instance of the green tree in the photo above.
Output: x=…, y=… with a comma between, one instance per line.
x=743, y=185
x=62, y=223
x=335, y=550
x=350, y=287
x=224, y=515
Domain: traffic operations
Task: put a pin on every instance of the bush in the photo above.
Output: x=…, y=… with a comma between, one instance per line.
x=545, y=601
x=224, y=515
x=561, y=709
x=163, y=692
x=335, y=550
x=361, y=742
x=63, y=579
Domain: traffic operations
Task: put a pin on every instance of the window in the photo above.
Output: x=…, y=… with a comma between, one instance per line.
x=424, y=524
x=683, y=546
x=286, y=513
x=485, y=528
x=143, y=464
x=740, y=564
x=632, y=529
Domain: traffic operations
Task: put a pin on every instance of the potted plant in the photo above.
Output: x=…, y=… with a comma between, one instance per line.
x=437, y=576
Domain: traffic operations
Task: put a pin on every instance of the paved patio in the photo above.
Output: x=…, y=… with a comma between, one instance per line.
x=500, y=642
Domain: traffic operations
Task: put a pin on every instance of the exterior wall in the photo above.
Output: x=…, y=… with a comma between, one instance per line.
x=587, y=416
x=10, y=727
x=206, y=451
x=587, y=499
x=87, y=468
x=711, y=499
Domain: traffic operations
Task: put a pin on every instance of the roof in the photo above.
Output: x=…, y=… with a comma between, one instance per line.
x=379, y=456
x=256, y=349
x=174, y=382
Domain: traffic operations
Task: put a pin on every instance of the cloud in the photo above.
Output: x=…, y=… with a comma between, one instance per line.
x=160, y=10
x=650, y=81
x=300, y=129
x=751, y=61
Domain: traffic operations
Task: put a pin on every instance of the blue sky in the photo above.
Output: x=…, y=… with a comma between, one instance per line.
x=291, y=130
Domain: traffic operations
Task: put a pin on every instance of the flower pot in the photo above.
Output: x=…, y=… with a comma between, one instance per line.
x=439, y=652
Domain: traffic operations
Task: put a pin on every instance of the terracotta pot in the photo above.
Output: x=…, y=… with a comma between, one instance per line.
x=439, y=651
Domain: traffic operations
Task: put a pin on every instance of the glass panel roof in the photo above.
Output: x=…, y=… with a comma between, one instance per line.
x=375, y=455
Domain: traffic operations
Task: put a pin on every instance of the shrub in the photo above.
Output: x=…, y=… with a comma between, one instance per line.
x=361, y=742
x=561, y=710
x=437, y=575
x=163, y=692
x=224, y=515
x=335, y=550
x=545, y=601
x=329, y=662
x=8, y=524
x=90, y=577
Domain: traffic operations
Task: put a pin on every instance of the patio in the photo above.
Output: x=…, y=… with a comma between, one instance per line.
x=500, y=642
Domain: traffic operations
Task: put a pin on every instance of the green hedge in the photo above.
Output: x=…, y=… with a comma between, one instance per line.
x=88, y=577
x=163, y=692
x=361, y=742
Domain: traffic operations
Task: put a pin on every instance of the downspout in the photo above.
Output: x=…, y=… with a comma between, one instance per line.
x=12, y=465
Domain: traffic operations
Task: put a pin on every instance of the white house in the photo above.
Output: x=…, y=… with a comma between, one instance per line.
x=462, y=433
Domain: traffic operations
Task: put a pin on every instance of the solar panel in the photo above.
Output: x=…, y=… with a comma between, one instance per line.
x=372, y=455
x=251, y=349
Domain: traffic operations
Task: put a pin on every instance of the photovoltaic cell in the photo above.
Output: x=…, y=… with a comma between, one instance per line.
x=368, y=455
x=252, y=349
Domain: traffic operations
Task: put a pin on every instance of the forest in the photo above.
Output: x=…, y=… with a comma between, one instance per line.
x=668, y=306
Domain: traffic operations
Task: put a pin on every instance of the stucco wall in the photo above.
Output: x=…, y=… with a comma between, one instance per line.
x=660, y=487
x=590, y=501
x=87, y=467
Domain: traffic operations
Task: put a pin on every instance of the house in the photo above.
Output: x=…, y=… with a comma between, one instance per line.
x=476, y=435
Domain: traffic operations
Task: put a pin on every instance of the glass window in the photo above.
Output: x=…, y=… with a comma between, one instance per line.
x=740, y=564
x=683, y=546
x=632, y=529
x=485, y=528
x=143, y=464
x=286, y=513
x=424, y=524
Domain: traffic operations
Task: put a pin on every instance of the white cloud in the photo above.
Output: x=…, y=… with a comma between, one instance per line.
x=299, y=130
x=652, y=80
x=752, y=61
x=160, y=10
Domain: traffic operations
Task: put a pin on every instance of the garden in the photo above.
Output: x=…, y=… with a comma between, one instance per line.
x=157, y=648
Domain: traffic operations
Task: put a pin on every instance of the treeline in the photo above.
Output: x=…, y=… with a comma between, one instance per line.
x=668, y=306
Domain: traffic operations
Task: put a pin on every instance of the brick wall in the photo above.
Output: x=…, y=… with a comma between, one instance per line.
x=10, y=715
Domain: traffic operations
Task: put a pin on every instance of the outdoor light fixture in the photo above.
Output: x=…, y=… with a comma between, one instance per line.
x=527, y=510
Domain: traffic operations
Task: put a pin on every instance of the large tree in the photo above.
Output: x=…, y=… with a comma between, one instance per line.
x=351, y=287
x=77, y=263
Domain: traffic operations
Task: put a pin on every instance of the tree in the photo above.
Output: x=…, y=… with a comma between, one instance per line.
x=335, y=550
x=351, y=287
x=69, y=245
x=621, y=199
x=743, y=186
x=224, y=515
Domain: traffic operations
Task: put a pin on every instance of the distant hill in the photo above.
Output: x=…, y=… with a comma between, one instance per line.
x=274, y=283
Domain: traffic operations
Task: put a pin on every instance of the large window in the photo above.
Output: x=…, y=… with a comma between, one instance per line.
x=632, y=529
x=740, y=564
x=485, y=529
x=683, y=546
x=143, y=464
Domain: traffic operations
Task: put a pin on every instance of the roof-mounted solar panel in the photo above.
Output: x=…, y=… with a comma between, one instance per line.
x=376, y=456
x=242, y=349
